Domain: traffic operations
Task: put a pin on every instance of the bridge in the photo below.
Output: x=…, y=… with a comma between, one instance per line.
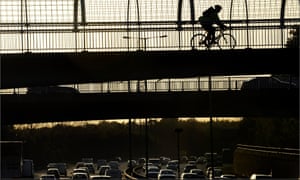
x=73, y=42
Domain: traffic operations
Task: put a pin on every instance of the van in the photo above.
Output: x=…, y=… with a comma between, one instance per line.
x=28, y=168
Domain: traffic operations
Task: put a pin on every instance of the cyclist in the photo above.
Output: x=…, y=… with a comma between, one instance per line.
x=208, y=19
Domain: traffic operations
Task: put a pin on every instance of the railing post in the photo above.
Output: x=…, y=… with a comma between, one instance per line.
x=229, y=83
x=169, y=84
x=199, y=84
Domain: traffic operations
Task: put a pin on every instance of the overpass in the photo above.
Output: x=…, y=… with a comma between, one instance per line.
x=91, y=42
x=42, y=69
x=34, y=108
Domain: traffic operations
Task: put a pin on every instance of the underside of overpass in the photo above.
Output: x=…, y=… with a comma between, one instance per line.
x=34, y=69
x=20, y=109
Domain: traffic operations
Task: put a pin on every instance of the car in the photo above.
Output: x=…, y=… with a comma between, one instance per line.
x=255, y=176
x=153, y=174
x=199, y=172
x=114, y=173
x=97, y=177
x=228, y=176
x=114, y=164
x=155, y=162
x=166, y=174
x=188, y=167
x=80, y=176
x=103, y=169
x=101, y=162
x=79, y=164
x=90, y=167
x=173, y=164
x=267, y=83
x=153, y=169
x=189, y=175
x=62, y=167
x=81, y=170
x=48, y=177
x=54, y=171
x=217, y=172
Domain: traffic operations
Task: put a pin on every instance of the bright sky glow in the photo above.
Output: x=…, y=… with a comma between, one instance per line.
x=149, y=10
x=51, y=27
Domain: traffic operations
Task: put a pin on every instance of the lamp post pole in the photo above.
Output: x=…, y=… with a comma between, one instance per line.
x=211, y=125
x=178, y=131
x=145, y=48
x=145, y=39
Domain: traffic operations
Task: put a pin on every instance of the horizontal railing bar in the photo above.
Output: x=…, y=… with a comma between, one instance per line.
x=25, y=24
x=165, y=86
x=137, y=29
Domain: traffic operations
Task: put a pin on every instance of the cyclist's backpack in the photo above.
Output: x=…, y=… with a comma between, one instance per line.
x=208, y=12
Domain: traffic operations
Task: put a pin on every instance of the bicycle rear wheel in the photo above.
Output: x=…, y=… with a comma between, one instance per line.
x=198, y=42
x=227, y=41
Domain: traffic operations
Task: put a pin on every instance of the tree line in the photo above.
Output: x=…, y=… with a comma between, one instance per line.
x=107, y=140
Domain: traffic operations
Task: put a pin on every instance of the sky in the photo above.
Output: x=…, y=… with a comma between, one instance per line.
x=121, y=121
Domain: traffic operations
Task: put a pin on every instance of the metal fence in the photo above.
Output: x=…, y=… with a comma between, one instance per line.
x=124, y=25
x=172, y=85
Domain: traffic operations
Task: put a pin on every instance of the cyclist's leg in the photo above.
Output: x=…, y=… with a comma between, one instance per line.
x=213, y=35
x=210, y=33
x=205, y=26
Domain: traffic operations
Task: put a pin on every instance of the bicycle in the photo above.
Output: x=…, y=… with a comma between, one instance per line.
x=222, y=40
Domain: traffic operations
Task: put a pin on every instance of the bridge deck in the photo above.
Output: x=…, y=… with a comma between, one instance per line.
x=18, y=109
x=34, y=69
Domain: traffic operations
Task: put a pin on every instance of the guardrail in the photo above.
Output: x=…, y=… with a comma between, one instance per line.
x=167, y=85
x=280, y=162
x=133, y=36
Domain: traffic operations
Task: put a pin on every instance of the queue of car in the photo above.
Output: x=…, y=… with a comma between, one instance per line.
x=154, y=170
x=83, y=170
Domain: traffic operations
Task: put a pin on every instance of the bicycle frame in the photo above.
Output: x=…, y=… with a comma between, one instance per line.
x=222, y=40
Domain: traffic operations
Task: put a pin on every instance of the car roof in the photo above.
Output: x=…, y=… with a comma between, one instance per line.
x=53, y=169
x=80, y=174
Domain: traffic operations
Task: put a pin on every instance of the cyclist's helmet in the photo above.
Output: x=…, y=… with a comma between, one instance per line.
x=218, y=8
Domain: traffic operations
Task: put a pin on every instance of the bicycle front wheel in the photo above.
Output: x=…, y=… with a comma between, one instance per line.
x=227, y=41
x=198, y=42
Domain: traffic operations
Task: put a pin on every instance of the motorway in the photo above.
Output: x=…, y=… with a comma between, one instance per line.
x=37, y=174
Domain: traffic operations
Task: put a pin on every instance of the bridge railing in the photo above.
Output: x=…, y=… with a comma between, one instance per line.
x=133, y=36
x=170, y=85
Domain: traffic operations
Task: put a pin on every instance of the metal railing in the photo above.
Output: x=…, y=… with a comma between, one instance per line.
x=128, y=25
x=166, y=85
x=150, y=36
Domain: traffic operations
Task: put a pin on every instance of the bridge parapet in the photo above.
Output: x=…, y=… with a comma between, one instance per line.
x=93, y=26
x=218, y=83
x=280, y=162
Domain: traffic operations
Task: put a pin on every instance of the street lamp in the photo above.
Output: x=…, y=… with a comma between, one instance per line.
x=145, y=47
x=145, y=39
x=178, y=131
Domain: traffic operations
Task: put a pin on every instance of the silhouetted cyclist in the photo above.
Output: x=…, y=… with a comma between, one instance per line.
x=208, y=19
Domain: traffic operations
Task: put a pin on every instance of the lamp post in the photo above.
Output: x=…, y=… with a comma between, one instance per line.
x=211, y=124
x=145, y=47
x=178, y=131
x=144, y=39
